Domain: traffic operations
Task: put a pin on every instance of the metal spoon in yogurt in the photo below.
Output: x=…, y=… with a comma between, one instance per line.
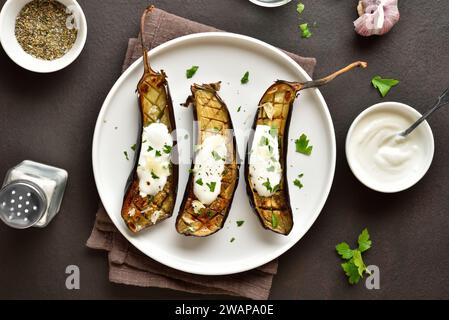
x=443, y=99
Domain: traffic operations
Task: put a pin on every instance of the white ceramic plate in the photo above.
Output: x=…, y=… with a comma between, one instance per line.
x=221, y=57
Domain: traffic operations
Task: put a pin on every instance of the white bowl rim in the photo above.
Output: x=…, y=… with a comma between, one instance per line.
x=270, y=4
x=49, y=69
x=428, y=136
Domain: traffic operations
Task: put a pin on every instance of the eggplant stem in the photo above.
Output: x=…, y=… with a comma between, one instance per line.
x=146, y=63
x=317, y=83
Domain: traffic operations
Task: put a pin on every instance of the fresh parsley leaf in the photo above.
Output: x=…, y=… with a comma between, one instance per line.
x=305, y=32
x=364, y=241
x=167, y=148
x=245, y=78
x=274, y=220
x=351, y=272
x=267, y=185
x=158, y=153
x=153, y=175
x=150, y=148
x=300, y=7
x=270, y=169
x=302, y=145
x=383, y=85
x=344, y=250
x=199, y=182
x=239, y=108
x=276, y=188
x=211, y=185
x=133, y=147
x=191, y=72
x=358, y=262
x=216, y=156
x=240, y=223
x=126, y=155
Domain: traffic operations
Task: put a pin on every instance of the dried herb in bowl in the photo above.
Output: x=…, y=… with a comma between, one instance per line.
x=45, y=29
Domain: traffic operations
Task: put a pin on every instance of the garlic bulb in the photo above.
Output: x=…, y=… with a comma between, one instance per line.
x=376, y=17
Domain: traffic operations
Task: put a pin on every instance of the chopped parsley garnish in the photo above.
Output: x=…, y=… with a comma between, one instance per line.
x=264, y=141
x=167, y=148
x=302, y=145
x=158, y=153
x=270, y=169
x=305, y=32
x=150, y=148
x=232, y=239
x=191, y=72
x=300, y=7
x=210, y=213
x=199, y=182
x=245, y=78
x=276, y=188
x=240, y=223
x=274, y=132
x=133, y=147
x=211, y=185
x=297, y=182
x=239, y=108
x=383, y=85
x=126, y=155
x=354, y=267
x=216, y=156
x=153, y=175
x=267, y=185
x=274, y=220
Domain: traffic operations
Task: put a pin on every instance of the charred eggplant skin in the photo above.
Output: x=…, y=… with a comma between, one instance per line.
x=279, y=202
x=155, y=105
x=277, y=207
x=211, y=218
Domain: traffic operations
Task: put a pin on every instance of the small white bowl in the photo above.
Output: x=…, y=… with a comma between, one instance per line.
x=13, y=49
x=424, y=131
x=270, y=4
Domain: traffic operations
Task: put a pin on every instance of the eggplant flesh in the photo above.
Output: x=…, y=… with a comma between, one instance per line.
x=155, y=106
x=275, y=211
x=212, y=117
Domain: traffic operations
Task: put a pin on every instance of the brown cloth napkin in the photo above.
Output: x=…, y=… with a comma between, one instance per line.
x=129, y=266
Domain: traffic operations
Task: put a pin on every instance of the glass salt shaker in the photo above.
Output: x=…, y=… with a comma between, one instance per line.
x=31, y=194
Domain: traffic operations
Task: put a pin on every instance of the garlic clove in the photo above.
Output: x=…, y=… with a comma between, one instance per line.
x=377, y=17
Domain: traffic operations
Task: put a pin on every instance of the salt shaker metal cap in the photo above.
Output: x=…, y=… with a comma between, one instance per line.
x=31, y=194
x=22, y=204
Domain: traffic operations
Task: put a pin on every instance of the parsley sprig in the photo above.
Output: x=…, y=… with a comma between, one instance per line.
x=354, y=267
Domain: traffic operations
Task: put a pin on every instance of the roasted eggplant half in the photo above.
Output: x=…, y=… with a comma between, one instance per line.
x=266, y=154
x=151, y=188
x=214, y=173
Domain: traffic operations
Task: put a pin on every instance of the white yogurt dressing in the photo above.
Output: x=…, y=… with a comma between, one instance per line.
x=154, y=160
x=380, y=153
x=264, y=166
x=208, y=169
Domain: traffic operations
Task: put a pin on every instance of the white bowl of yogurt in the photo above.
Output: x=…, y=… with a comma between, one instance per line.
x=380, y=158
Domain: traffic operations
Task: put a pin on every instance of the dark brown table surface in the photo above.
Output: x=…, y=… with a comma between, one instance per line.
x=51, y=117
